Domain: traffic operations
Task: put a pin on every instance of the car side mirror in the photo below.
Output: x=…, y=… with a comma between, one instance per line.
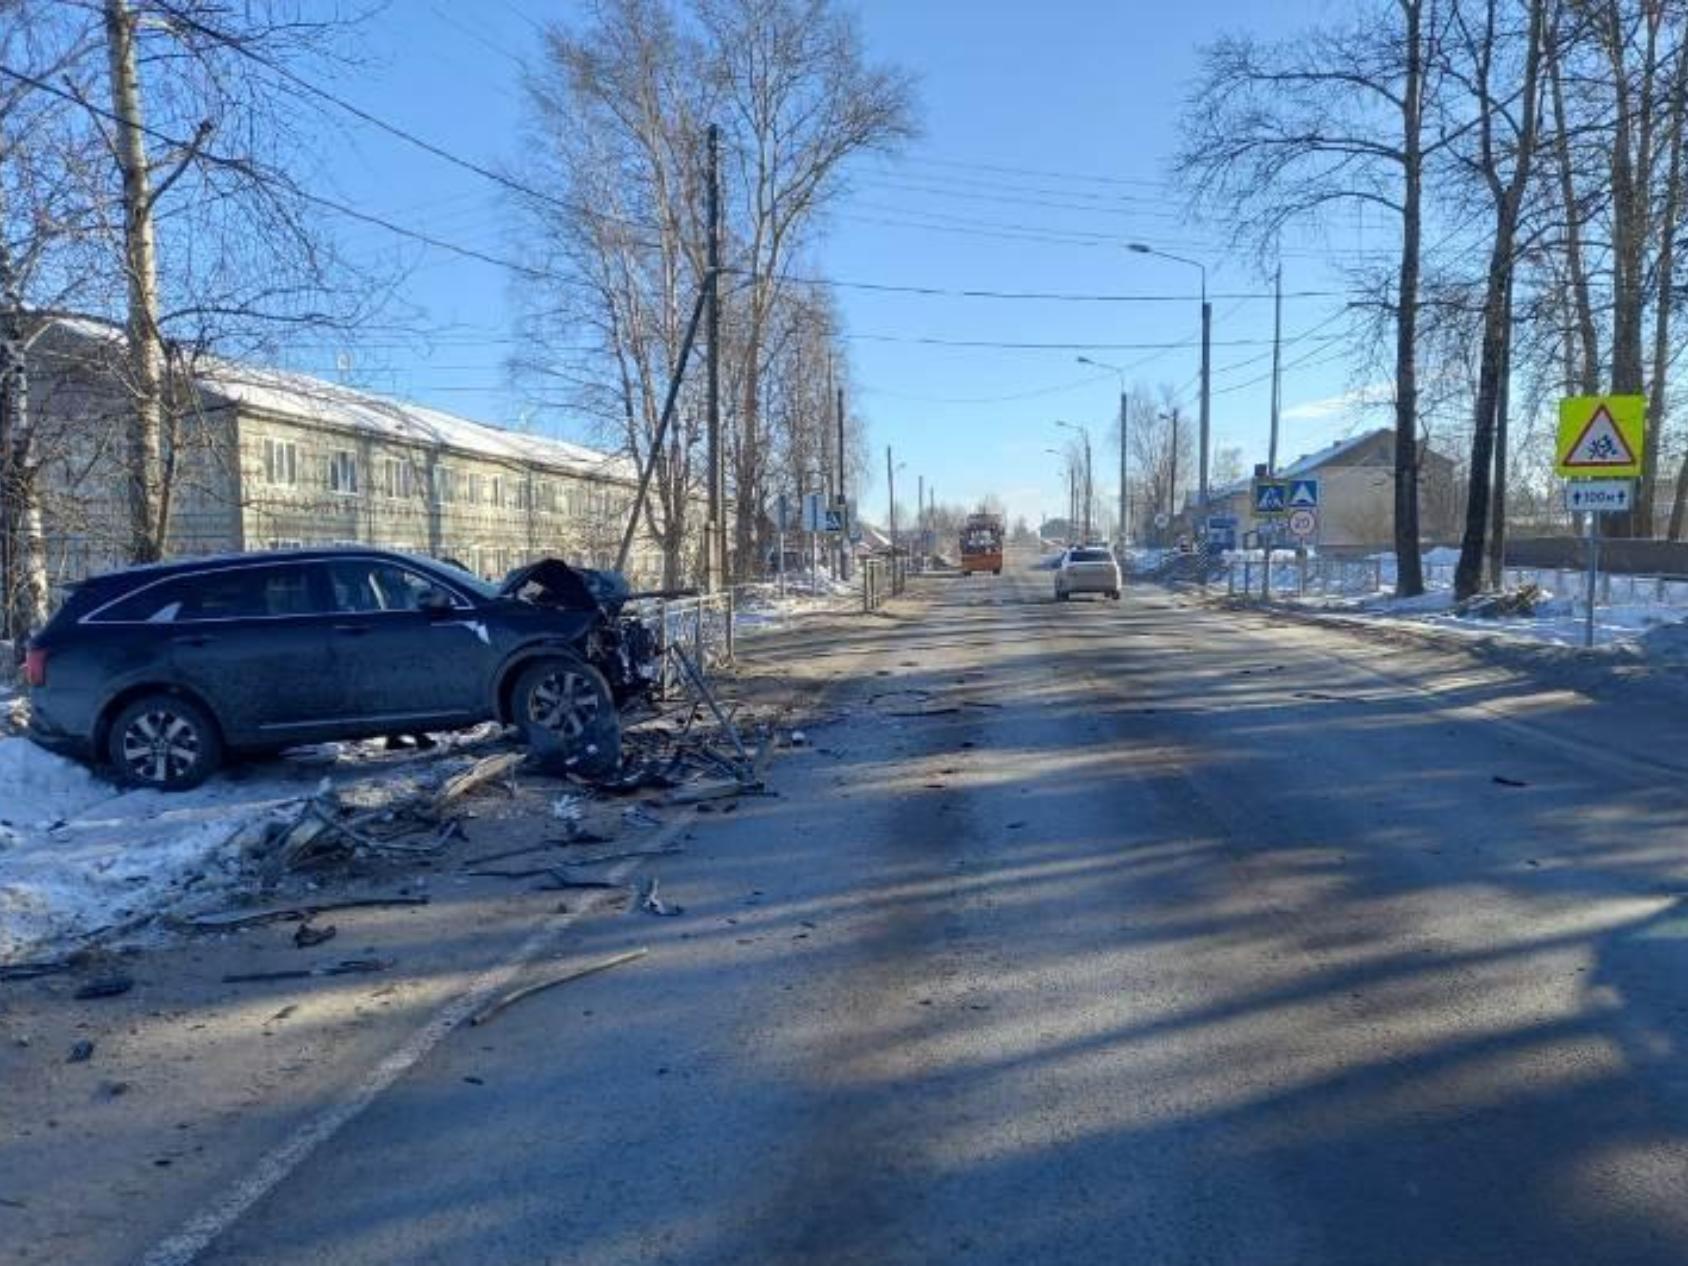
x=435, y=602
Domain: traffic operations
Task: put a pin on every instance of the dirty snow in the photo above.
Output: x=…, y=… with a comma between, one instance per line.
x=760, y=608
x=1639, y=616
x=79, y=855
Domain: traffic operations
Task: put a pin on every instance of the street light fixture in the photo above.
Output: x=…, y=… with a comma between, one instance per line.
x=1207, y=364
x=1124, y=494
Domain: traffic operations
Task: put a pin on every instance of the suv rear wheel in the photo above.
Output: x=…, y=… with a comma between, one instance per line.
x=567, y=714
x=165, y=742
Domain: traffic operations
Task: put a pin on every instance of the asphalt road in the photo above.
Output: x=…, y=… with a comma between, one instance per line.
x=1101, y=932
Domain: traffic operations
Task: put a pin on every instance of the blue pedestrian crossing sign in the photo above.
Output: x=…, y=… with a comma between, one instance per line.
x=1304, y=494
x=1270, y=496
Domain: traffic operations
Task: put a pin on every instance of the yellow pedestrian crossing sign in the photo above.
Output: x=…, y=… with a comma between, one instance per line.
x=1600, y=437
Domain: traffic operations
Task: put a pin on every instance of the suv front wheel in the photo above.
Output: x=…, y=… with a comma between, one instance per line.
x=165, y=742
x=566, y=712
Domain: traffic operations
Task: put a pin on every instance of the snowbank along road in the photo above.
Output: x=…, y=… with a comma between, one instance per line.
x=1089, y=932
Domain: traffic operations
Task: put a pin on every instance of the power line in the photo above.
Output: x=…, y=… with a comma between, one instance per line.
x=1040, y=173
x=1054, y=296
x=298, y=191
x=1051, y=347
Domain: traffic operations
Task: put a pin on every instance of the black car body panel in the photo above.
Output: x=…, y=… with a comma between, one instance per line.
x=302, y=646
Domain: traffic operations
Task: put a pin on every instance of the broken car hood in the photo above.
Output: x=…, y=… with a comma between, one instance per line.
x=551, y=582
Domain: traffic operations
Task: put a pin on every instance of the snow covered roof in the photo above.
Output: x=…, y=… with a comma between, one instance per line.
x=292, y=395
x=1327, y=455
x=298, y=395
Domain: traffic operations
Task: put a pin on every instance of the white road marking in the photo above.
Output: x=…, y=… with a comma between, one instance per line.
x=198, y=1233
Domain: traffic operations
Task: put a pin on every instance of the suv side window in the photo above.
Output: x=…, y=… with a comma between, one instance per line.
x=364, y=585
x=237, y=593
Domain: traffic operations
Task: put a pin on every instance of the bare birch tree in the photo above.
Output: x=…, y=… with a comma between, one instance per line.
x=1281, y=134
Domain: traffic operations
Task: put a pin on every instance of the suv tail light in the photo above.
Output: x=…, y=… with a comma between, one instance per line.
x=35, y=667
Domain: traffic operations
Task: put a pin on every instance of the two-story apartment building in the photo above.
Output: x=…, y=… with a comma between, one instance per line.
x=265, y=459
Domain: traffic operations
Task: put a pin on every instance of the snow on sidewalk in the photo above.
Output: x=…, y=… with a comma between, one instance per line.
x=79, y=855
x=1648, y=627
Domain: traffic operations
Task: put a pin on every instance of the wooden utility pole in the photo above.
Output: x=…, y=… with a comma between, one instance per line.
x=1277, y=367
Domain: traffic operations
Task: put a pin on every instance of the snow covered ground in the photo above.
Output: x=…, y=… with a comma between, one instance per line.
x=79, y=855
x=761, y=608
x=1639, y=612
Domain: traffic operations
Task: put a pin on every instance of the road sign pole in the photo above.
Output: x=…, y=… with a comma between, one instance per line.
x=1593, y=575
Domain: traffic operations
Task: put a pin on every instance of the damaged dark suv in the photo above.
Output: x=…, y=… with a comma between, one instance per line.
x=162, y=671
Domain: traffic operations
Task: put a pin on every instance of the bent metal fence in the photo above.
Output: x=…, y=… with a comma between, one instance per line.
x=702, y=627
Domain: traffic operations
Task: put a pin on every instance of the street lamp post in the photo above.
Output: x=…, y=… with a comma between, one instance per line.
x=1207, y=364
x=1172, y=482
x=1089, y=484
x=1072, y=489
x=1124, y=486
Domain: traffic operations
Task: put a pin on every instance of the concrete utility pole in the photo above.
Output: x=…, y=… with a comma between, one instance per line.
x=1172, y=482
x=920, y=514
x=1124, y=448
x=1207, y=388
x=1207, y=361
x=891, y=500
x=715, y=547
x=1124, y=480
x=843, y=495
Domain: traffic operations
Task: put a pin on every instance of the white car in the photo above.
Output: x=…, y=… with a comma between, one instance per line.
x=1087, y=569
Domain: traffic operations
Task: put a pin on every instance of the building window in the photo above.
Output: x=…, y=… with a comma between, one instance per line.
x=496, y=491
x=343, y=472
x=445, y=484
x=281, y=463
x=472, y=488
x=547, y=492
x=396, y=478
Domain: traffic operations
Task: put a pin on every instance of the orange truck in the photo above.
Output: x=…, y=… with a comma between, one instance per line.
x=981, y=544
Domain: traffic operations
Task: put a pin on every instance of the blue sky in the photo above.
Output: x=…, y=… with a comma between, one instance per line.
x=1046, y=134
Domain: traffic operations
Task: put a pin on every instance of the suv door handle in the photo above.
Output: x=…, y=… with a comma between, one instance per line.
x=352, y=630
x=191, y=639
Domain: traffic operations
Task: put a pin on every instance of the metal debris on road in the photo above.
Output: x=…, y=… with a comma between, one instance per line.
x=308, y=934
x=492, y=1009
x=650, y=903
x=229, y=920
x=345, y=967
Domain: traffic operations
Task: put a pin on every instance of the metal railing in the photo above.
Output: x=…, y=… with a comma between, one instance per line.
x=702, y=627
x=882, y=579
x=1365, y=577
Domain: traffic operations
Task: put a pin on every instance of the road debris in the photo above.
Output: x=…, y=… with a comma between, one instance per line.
x=229, y=920
x=308, y=934
x=30, y=971
x=345, y=967
x=81, y=1052
x=1504, y=781
x=648, y=902
x=105, y=987
x=493, y=1008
